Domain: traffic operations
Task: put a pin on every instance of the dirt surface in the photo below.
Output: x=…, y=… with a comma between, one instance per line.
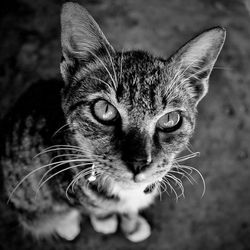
x=30, y=51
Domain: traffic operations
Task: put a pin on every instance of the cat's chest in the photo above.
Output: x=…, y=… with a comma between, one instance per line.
x=134, y=200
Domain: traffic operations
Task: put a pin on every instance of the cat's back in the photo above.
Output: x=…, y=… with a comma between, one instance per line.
x=37, y=111
x=28, y=129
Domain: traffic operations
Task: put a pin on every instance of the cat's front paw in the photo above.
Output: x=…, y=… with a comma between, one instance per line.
x=69, y=226
x=141, y=231
x=107, y=225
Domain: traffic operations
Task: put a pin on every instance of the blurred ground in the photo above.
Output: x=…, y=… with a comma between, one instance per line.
x=30, y=51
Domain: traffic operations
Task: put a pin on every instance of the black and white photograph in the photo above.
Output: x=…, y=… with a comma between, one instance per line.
x=125, y=125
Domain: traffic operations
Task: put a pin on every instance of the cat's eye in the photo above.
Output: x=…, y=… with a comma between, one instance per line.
x=170, y=122
x=105, y=112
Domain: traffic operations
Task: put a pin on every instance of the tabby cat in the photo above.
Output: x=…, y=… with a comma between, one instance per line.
x=106, y=139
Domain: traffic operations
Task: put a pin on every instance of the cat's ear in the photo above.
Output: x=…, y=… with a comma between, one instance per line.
x=81, y=38
x=194, y=61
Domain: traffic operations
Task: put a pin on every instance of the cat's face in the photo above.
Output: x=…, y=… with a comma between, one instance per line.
x=130, y=112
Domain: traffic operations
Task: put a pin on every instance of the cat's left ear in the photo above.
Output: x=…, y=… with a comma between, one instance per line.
x=82, y=40
x=194, y=61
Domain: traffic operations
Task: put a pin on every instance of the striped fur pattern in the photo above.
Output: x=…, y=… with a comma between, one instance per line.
x=129, y=159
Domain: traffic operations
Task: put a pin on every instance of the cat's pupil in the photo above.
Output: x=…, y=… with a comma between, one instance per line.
x=105, y=111
x=108, y=112
x=169, y=121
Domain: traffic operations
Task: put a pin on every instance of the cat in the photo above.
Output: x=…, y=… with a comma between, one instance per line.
x=103, y=140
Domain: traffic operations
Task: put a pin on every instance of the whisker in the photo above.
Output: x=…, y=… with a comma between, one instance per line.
x=223, y=68
x=112, y=175
x=158, y=188
x=98, y=58
x=121, y=66
x=178, y=168
x=110, y=58
x=75, y=179
x=179, y=184
x=177, y=77
x=72, y=156
x=57, y=149
x=188, y=147
x=186, y=157
x=201, y=176
x=66, y=155
x=182, y=174
x=171, y=188
x=194, y=75
x=58, y=130
x=50, y=149
x=28, y=175
x=63, y=170
x=164, y=185
x=64, y=145
x=102, y=81
x=83, y=175
x=61, y=164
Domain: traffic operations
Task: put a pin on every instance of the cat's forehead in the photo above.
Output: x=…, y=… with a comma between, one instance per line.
x=139, y=63
x=149, y=85
x=140, y=82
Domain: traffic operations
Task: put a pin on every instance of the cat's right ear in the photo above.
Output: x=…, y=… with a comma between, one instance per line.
x=192, y=64
x=81, y=38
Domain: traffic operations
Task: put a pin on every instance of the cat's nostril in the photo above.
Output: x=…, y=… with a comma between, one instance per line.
x=144, y=167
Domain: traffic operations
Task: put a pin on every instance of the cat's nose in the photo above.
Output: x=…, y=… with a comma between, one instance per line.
x=138, y=166
x=140, y=177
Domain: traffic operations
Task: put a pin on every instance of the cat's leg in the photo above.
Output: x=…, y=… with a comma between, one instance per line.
x=135, y=227
x=66, y=224
x=106, y=224
x=68, y=227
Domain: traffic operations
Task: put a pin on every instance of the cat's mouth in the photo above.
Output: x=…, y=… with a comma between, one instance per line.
x=149, y=177
x=145, y=182
x=142, y=180
x=126, y=179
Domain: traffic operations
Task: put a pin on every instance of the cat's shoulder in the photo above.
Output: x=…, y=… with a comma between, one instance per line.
x=38, y=110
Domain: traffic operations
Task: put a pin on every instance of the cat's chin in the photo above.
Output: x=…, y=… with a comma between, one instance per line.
x=141, y=181
x=133, y=185
x=122, y=186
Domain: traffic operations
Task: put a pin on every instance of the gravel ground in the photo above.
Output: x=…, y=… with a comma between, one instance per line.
x=30, y=52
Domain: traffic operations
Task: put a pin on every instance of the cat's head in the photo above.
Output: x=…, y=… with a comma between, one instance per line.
x=130, y=111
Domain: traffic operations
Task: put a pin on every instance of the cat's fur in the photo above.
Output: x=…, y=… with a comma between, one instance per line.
x=130, y=156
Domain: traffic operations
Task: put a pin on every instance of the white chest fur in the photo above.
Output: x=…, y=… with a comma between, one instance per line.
x=133, y=200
